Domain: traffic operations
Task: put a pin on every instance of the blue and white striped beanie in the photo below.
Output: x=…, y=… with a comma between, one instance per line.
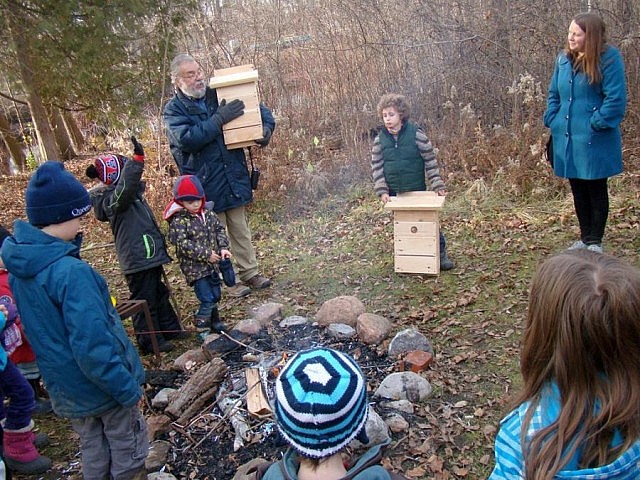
x=321, y=402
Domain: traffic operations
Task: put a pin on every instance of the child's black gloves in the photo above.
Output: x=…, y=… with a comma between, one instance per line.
x=229, y=111
x=137, y=147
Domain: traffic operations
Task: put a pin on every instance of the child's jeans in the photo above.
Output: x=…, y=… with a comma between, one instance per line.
x=114, y=444
x=14, y=386
x=208, y=292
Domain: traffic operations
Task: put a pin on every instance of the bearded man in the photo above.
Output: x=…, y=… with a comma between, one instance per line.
x=194, y=118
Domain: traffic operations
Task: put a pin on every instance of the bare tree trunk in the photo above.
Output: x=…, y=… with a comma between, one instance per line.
x=13, y=147
x=4, y=160
x=73, y=130
x=44, y=132
x=45, y=136
x=61, y=135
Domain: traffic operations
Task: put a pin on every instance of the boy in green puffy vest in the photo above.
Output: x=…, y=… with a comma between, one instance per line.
x=403, y=160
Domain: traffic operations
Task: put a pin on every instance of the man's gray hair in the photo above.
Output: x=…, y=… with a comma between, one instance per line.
x=177, y=61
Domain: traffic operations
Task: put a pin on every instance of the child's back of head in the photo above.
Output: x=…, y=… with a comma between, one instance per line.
x=321, y=402
x=583, y=334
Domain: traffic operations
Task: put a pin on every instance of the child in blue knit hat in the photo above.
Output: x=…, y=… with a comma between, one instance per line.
x=140, y=245
x=92, y=371
x=320, y=407
x=202, y=247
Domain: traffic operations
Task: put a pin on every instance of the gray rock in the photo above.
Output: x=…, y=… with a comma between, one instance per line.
x=158, y=453
x=292, y=320
x=160, y=476
x=250, y=326
x=404, y=386
x=397, y=423
x=267, y=313
x=401, y=405
x=161, y=399
x=377, y=431
x=341, y=331
x=408, y=340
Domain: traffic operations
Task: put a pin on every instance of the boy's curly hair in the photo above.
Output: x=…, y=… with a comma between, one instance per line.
x=397, y=101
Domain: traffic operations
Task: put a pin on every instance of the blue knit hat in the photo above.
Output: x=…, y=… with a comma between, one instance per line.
x=54, y=195
x=186, y=188
x=321, y=402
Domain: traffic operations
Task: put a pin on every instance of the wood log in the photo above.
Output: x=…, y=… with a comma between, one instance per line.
x=231, y=409
x=199, y=390
x=257, y=403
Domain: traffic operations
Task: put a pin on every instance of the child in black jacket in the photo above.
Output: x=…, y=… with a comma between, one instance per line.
x=140, y=244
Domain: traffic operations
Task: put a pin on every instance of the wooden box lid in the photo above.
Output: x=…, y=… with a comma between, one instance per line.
x=415, y=201
x=233, y=76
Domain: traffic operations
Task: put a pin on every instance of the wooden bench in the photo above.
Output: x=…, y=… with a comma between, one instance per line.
x=128, y=308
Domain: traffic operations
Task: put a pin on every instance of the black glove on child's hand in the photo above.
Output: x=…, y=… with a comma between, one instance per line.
x=266, y=136
x=229, y=111
x=137, y=147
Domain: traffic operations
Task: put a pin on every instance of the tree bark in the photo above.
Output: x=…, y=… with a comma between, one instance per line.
x=44, y=132
x=199, y=390
x=13, y=147
x=61, y=135
x=73, y=130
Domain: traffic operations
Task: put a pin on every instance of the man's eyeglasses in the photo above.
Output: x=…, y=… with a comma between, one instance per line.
x=193, y=74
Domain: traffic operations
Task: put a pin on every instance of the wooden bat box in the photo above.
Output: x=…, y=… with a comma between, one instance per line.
x=416, y=232
x=240, y=82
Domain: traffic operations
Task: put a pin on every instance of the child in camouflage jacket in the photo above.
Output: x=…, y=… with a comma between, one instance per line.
x=201, y=245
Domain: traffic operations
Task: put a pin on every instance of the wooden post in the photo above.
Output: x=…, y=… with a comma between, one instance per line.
x=416, y=232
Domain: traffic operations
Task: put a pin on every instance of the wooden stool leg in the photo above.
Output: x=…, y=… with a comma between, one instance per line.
x=151, y=327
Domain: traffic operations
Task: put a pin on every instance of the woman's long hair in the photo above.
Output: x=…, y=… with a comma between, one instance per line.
x=595, y=39
x=583, y=332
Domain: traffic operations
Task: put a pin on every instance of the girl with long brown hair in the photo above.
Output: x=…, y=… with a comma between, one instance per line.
x=578, y=413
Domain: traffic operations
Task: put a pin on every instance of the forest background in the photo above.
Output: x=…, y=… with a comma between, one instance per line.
x=79, y=77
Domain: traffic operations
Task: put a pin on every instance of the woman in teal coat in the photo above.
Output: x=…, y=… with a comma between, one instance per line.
x=585, y=105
